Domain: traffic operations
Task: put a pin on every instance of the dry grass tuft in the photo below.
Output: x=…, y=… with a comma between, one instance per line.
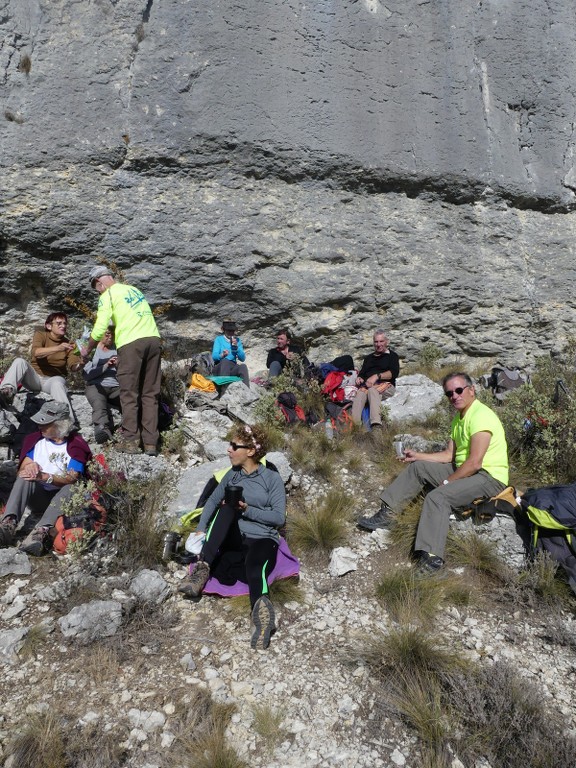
x=200, y=735
x=267, y=724
x=407, y=651
x=403, y=532
x=320, y=527
x=40, y=744
x=410, y=600
x=475, y=551
x=33, y=642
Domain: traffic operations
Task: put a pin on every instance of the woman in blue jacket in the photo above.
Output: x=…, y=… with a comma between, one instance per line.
x=228, y=354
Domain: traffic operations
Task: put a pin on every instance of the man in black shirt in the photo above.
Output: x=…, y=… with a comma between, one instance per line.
x=283, y=353
x=376, y=380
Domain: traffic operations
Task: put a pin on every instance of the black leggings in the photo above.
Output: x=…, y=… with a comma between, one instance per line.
x=234, y=557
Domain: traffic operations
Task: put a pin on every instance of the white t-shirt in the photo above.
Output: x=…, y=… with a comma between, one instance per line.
x=52, y=458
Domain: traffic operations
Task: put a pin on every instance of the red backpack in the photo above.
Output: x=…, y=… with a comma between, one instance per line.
x=332, y=387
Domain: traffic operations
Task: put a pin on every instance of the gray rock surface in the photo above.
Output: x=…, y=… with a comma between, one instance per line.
x=329, y=166
x=14, y=561
x=90, y=621
x=416, y=397
x=149, y=587
x=11, y=641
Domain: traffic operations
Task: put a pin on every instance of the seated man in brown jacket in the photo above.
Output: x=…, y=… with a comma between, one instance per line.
x=52, y=356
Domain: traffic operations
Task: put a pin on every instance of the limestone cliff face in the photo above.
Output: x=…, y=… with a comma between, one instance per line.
x=335, y=166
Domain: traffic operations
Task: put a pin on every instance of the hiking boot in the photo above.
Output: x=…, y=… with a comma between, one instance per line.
x=382, y=519
x=38, y=542
x=150, y=450
x=6, y=396
x=102, y=434
x=7, y=531
x=196, y=582
x=428, y=564
x=376, y=426
x=128, y=446
x=263, y=619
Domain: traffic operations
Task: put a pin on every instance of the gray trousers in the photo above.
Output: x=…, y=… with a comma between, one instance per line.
x=29, y=493
x=374, y=399
x=438, y=504
x=21, y=372
x=100, y=399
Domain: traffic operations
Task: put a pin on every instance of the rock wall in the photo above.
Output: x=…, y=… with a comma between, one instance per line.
x=334, y=166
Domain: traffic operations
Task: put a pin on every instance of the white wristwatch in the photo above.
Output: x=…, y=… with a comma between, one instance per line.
x=50, y=479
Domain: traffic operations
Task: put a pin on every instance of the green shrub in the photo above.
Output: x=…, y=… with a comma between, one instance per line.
x=541, y=434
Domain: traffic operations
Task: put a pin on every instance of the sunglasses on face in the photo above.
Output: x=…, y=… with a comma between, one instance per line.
x=235, y=446
x=450, y=392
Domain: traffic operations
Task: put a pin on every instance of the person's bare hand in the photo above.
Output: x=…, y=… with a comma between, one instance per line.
x=29, y=471
x=224, y=353
x=65, y=346
x=242, y=505
x=408, y=457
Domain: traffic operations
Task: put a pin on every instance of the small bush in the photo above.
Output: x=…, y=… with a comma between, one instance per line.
x=542, y=576
x=429, y=357
x=139, y=509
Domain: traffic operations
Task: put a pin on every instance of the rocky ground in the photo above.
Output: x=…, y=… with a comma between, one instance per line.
x=125, y=673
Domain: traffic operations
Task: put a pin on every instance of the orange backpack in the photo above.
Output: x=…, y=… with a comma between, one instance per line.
x=73, y=528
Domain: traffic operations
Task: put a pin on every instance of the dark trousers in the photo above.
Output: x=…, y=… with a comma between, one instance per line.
x=224, y=538
x=229, y=368
x=139, y=376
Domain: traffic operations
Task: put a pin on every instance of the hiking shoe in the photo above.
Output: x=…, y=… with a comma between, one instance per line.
x=7, y=531
x=38, y=542
x=382, y=519
x=6, y=396
x=263, y=619
x=376, y=426
x=428, y=564
x=150, y=450
x=128, y=446
x=196, y=582
x=102, y=434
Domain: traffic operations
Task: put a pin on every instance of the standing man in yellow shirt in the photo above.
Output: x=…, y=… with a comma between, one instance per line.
x=138, y=345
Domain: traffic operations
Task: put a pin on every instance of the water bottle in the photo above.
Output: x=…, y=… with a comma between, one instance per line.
x=329, y=429
x=171, y=541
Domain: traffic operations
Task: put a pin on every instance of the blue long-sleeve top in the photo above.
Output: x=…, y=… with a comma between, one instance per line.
x=221, y=343
x=265, y=495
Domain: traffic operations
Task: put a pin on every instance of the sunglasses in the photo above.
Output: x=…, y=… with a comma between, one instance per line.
x=458, y=391
x=235, y=446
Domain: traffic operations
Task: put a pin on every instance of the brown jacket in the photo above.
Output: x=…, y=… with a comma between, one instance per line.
x=56, y=364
